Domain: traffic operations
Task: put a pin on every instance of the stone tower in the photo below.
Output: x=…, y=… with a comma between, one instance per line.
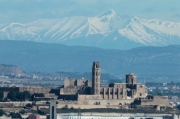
x=131, y=78
x=96, y=78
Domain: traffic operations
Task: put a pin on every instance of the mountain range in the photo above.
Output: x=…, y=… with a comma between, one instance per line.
x=108, y=30
x=149, y=62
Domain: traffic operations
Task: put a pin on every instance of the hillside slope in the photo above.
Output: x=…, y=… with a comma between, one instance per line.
x=10, y=70
x=146, y=62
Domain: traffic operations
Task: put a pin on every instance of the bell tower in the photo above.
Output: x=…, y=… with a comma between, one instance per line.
x=96, y=78
x=131, y=78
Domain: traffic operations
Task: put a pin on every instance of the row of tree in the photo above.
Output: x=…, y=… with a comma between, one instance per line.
x=14, y=115
x=19, y=96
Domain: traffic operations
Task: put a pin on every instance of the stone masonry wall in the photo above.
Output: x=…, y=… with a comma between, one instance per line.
x=158, y=100
x=96, y=99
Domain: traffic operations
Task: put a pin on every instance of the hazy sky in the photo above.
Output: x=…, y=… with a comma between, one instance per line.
x=29, y=10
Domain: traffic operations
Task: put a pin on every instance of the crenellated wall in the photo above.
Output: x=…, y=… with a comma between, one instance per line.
x=157, y=100
x=77, y=82
x=9, y=89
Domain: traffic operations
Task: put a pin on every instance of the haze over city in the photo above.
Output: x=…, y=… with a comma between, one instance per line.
x=98, y=59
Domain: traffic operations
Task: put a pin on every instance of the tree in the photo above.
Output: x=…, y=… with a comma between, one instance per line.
x=22, y=112
x=65, y=107
x=29, y=105
x=1, y=95
x=12, y=96
x=19, y=96
x=72, y=108
x=27, y=95
x=15, y=115
x=2, y=112
x=40, y=112
x=178, y=107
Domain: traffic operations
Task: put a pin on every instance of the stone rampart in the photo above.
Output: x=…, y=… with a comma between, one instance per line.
x=97, y=100
x=68, y=90
x=33, y=89
x=157, y=100
x=9, y=89
x=13, y=104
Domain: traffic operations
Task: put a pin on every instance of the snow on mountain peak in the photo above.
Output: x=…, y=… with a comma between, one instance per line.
x=108, y=27
x=151, y=31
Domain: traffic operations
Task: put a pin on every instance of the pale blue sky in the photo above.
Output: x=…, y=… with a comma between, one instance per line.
x=29, y=10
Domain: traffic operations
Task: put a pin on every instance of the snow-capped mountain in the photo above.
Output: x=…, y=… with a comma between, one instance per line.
x=108, y=30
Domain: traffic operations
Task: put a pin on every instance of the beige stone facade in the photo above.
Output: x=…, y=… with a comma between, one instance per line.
x=91, y=93
x=155, y=100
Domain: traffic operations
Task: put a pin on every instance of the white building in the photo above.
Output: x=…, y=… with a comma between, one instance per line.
x=75, y=116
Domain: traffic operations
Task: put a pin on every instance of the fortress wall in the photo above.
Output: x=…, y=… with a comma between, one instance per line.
x=5, y=94
x=33, y=90
x=70, y=82
x=13, y=104
x=77, y=82
x=89, y=83
x=110, y=102
x=68, y=90
x=81, y=99
x=66, y=82
x=22, y=89
x=82, y=82
x=81, y=106
x=140, y=91
x=9, y=89
x=68, y=97
x=67, y=102
x=75, y=89
x=158, y=100
x=73, y=82
x=94, y=99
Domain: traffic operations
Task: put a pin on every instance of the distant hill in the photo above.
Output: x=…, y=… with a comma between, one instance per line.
x=10, y=70
x=149, y=63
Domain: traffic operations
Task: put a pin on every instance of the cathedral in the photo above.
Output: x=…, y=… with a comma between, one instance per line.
x=90, y=94
x=90, y=91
